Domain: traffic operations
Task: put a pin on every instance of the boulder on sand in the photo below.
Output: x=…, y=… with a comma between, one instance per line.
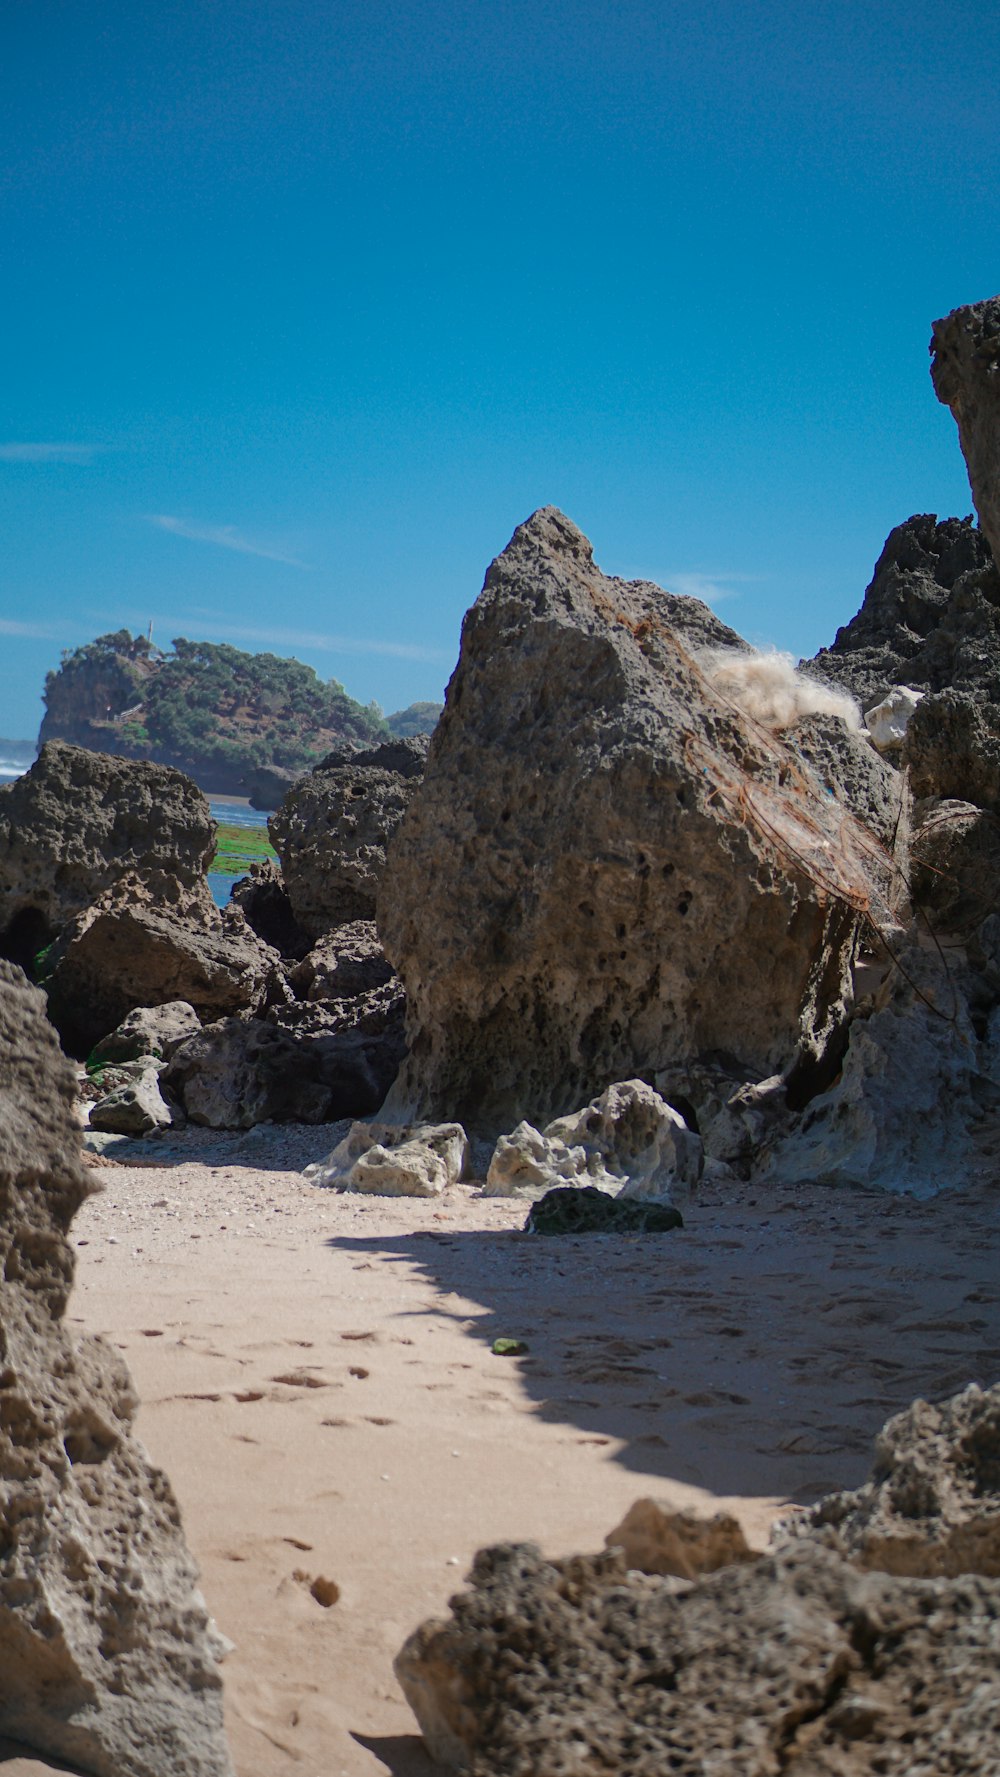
x=386, y=1160
x=107, y=1656
x=76, y=822
x=628, y=1143
x=607, y=869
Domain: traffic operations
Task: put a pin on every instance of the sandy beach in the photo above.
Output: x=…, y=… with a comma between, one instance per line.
x=317, y=1379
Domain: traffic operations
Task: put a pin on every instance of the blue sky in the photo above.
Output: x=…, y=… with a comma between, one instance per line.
x=305, y=306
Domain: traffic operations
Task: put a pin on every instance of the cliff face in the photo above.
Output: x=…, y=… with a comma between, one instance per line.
x=210, y=710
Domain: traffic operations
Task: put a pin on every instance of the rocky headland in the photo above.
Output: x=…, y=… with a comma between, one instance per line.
x=650, y=917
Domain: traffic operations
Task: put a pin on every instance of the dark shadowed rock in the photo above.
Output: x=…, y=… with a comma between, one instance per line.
x=155, y=1031
x=129, y=950
x=955, y=865
x=303, y=1063
x=263, y=899
x=268, y=785
x=77, y=822
x=592, y=881
x=405, y=754
x=965, y=370
x=930, y=617
x=347, y=962
x=107, y=1657
x=952, y=748
x=331, y=833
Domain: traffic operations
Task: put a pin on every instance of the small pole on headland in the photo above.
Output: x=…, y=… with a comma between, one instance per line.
x=149, y=632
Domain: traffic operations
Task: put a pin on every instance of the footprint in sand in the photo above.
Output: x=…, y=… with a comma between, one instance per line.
x=301, y=1379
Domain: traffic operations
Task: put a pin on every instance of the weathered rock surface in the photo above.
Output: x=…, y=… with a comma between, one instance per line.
x=331, y=832
x=76, y=823
x=849, y=768
x=655, y=1538
x=263, y=900
x=900, y=1116
x=628, y=1142
x=347, y=962
x=303, y=1063
x=798, y=1663
x=955, y=865
x=388, y=1160
x=932, y=1504
x=149, y=1030
x=137, y=1107
x=107, y=1657
x=888, y=721
x=952, y=748
x=601, y=873
x=130, y=950
x=803, y=1662
x=966, y=359
x=930, y=617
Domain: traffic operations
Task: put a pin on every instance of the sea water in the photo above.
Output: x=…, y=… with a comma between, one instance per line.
x=235, y=812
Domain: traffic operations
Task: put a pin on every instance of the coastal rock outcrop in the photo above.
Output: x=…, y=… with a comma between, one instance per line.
x=607, y=869
x=930, y=618
x=332, y=829
x=385, y=1160
x=107, y=1655
x=965, y=348
x=79, y=821
x=816, y=1660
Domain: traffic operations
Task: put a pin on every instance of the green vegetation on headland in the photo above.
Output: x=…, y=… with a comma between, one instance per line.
x=206, y=707
x=236, y=848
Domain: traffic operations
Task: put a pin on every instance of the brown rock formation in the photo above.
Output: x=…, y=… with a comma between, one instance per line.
x=107, y=1657
x=76, y=823
x=606, y=868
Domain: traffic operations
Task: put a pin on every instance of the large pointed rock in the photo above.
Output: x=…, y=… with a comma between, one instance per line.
x=607, y=868
x=107, y=1656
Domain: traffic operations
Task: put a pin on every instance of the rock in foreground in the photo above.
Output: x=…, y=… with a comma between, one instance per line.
x=800, y=1663
x=607, y=869
x=107, y=1657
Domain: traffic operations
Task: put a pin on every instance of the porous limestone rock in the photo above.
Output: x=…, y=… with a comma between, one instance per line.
x=135, y=1108
x=237, y=1072
x=130, y=950
x=331, y=833
x=149, y=1030
x=77, y=822
x=849, y=769
x=348, y=961
x=388, y=1160
x=955, y=865
x=931, y=1506
x=888, y=721
x=569, y=1210
x=107, y=1655
x=655, y=1537
x=628, y=1142
x=965, y=347
x=797, y=1663
x=899, y=1117
x=952, y=748
x=606, y=869
x=930, y=617
x=361, y=1038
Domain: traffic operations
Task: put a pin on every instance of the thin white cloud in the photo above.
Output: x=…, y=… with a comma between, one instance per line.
x=308, y=638
x=712, y=589
x=224, y=536
x=48, y=453
x=35, y=632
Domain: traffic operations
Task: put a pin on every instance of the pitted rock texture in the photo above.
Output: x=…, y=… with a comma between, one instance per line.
x=932, y=1504
x=149, y=1030
x=131, y=950
x=955, y=865
x=965, y=347
x=331, y=833
x=597, y=876
x=655, y=1538
x=930, y=617
x=107, y=1657
x=77, y=822
x=628, y=1143
x=388, y=1160
x=797, y=1664
x=348, y=961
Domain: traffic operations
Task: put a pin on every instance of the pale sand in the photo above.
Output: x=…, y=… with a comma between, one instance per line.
x=317, y=1380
